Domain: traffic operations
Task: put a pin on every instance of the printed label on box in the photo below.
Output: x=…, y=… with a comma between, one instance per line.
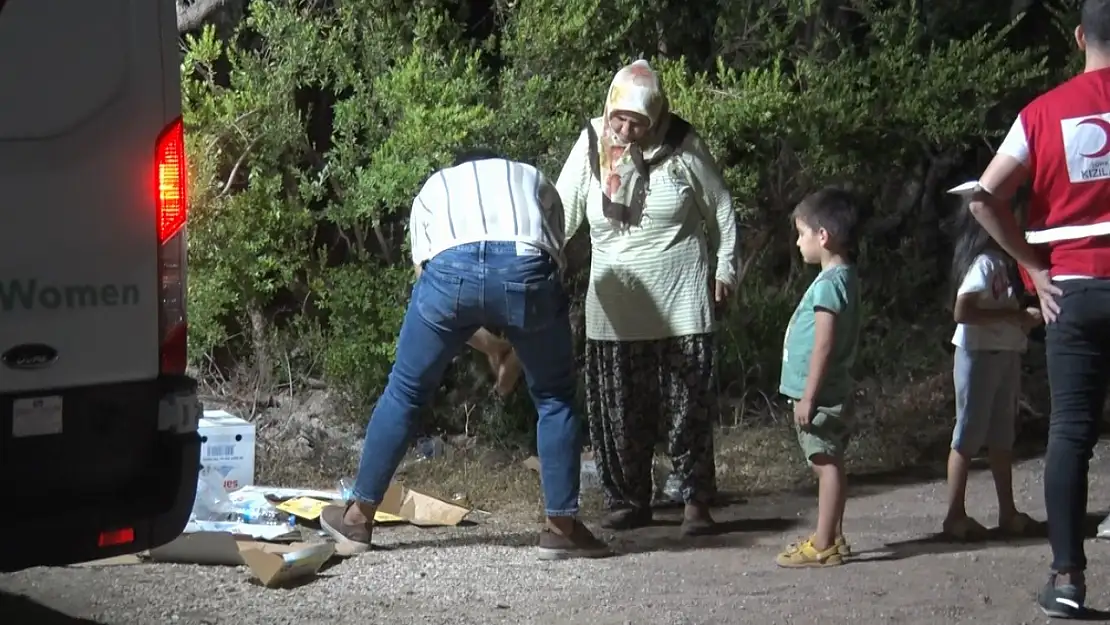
x=227, y=446
x=220, y=451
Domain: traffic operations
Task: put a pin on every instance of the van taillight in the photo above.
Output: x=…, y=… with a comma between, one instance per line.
x=115, y=538
x=171, y=216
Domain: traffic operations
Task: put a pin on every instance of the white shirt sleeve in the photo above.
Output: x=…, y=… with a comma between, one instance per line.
x=978, y=276
x=419, y=221
x=1016, y=144
x=573, y=184
x=715, y=202
x=552, y=206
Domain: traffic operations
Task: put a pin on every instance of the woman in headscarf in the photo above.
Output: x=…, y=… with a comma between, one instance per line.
x=661, y=220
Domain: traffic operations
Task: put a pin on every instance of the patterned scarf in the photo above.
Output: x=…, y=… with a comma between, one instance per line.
x=636, y=88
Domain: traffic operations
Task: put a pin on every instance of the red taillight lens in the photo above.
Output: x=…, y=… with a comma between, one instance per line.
x=175, y=354
x=115, y=538
x=172, y=213
x=172, y=205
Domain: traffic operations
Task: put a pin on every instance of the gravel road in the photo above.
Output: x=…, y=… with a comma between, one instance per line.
x=487, y=574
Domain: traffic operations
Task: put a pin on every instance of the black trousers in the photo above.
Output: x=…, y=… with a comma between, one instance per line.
x=1077, y=345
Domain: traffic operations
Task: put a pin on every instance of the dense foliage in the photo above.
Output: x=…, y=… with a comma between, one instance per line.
x=312, y=124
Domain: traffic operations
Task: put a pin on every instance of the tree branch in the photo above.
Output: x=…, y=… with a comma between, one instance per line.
x=379, y=234
x=191, y=16
x=239, y=163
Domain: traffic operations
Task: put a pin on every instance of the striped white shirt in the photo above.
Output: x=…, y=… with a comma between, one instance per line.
x=487, y=200
x=653, y=281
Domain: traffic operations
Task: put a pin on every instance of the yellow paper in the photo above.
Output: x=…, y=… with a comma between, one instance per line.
x=385, y=517
x=303, y=507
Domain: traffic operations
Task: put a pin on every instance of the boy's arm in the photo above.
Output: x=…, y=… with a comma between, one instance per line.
x=824, y=337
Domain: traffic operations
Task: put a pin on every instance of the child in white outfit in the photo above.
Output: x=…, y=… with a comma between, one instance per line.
x=990, y=338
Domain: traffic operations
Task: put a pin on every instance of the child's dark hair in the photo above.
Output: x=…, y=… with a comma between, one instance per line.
x=475, y=154
x=971, y=241
x=837, y=212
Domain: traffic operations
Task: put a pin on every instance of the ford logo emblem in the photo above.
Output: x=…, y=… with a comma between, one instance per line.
x=30, y=356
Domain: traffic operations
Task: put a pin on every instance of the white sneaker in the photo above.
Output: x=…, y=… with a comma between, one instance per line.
x=1104, y=528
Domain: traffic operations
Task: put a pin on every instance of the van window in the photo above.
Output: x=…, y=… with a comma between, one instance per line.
x=63, y=60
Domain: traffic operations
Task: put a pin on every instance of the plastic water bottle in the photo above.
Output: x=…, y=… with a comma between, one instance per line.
x=263, y=516
x=429, y=447
x=346, y=489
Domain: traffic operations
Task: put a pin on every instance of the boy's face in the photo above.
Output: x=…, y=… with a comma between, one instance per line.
x=811, y=243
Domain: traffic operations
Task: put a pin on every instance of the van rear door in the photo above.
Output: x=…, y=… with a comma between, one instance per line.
x=82, y=109
x=89, y=124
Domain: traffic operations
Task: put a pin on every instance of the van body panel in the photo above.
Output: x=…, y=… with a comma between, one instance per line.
x=78, y=126
x=88, y=418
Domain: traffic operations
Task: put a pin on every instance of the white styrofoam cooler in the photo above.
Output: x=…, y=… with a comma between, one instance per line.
x=227, y=447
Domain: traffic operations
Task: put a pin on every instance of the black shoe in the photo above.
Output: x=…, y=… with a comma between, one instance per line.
x=697, y=521
x=1063, y=601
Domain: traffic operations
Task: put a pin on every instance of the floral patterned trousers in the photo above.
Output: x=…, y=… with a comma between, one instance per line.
x=638, y=392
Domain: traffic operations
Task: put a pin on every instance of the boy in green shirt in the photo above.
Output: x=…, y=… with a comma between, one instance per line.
x=817, y=355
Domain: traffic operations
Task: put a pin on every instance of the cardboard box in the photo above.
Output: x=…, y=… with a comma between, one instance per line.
x=400, y=504
x=271, y=564
x=227, y=447
x=422, y=510
x=275, y=566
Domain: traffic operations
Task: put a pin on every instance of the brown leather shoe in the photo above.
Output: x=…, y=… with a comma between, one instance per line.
x=580, y=543
x=353, y=538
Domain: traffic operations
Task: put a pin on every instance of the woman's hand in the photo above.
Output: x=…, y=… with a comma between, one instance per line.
x=721, y=291
x=1046, y=293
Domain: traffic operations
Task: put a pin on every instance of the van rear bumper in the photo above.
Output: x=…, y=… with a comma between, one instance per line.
x=145, y=511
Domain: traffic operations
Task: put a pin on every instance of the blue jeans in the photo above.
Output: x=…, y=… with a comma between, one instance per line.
x=460, y=290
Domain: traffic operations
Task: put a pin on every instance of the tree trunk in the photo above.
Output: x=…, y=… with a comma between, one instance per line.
x=260, y=346
x=192, y=16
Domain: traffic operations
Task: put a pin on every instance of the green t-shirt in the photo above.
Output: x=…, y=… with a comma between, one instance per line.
x=835, y=289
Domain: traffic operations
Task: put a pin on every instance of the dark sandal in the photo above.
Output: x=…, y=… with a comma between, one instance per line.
x=627, y=519
x=1020, y=525
x=966, y=529
x=698, y=527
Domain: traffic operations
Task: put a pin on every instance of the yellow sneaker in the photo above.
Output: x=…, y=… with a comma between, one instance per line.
x=841, y=544
x=805, y=555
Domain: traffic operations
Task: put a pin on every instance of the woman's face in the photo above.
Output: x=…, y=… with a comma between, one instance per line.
x=629, y=126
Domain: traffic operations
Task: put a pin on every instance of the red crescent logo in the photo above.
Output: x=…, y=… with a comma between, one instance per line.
x=1104, y=126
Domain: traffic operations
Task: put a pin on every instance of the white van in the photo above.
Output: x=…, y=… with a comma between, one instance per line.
x=98, y=446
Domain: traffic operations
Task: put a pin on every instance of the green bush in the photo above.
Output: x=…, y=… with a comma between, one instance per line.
x=312, y=126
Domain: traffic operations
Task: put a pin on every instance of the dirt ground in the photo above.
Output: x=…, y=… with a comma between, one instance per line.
x=488, y=574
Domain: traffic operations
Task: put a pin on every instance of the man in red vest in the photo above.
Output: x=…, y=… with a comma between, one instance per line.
x=1061, y=144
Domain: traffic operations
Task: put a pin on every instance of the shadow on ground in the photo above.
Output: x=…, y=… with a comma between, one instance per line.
x=939, y=543
x=20, y=610
x=738, y=525
x=664, y=535
x=1092, y=614
x=1030, y=445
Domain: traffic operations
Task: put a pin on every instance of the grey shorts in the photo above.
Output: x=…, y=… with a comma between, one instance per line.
x=988, y=385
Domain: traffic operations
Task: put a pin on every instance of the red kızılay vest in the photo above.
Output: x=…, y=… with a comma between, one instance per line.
x=1068, y=133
